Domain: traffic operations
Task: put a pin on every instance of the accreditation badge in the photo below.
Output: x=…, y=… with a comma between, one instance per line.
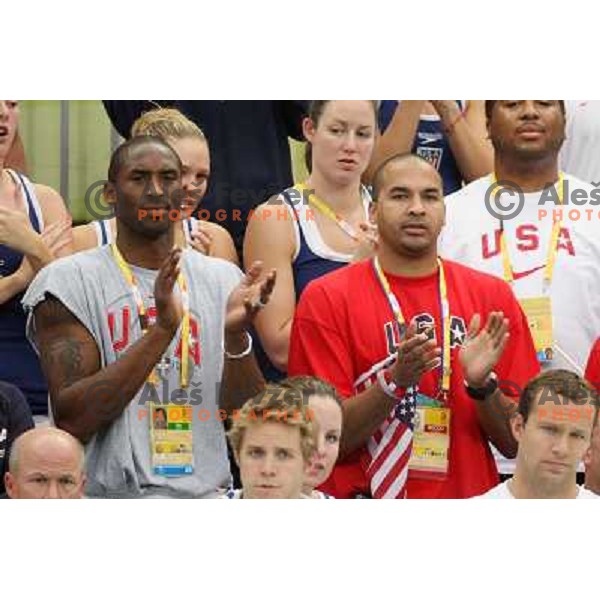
x=171, y=440
x=431, y=440
x=539, y=316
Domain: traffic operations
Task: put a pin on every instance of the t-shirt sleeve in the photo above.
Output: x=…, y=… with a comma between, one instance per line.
x=519, y=361
x=319, y=345
x=592, y=370
x=63, y=279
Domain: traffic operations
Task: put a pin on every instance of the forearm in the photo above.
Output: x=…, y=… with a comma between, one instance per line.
x=12, y=285
x=473, y=154
x=494, y=415
x=277, y=345
x=242, y=379
x=363, y=415
x=90, y=404
x=399, y=136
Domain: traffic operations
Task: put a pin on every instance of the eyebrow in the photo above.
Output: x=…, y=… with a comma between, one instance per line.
x=142, y=171
x=403, y=188
x=344, y=122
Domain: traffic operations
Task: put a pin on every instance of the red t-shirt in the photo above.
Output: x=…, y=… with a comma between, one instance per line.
x=592, y=371
x=344, y=330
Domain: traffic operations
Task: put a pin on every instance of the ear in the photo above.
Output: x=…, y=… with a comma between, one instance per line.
x=110, y=193
x=82, y=486
x=373, y=212
x=517, y=425
x=308, y=129
x=9, y=484
x=587, y=457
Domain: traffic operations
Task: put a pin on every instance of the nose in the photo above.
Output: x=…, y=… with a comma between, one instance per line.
x=560, y=447
x=350, y=141
x=268, y=466
x=530, y=110
x=156, y=187
x=53, y=490
x=187, y=182
x=320, y=450
x=417, y=206
x=3, y=110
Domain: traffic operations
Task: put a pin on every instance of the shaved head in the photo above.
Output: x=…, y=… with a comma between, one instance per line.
x=397, y=159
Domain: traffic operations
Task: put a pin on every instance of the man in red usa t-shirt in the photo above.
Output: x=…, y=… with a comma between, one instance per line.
x=418, y=347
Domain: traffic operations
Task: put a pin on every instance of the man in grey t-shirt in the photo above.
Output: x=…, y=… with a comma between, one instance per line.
x=124, y=329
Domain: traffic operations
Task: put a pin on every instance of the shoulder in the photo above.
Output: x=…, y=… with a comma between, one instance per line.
x=342, y=280
x=50, y=201
x=211, y=267
x=585, y=494
x=468, y=276
x=472, y=191
x=487, y=291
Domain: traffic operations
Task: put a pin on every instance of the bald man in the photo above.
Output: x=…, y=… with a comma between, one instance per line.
x=45, y=463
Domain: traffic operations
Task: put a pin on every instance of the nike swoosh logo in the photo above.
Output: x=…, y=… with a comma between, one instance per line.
x=523, y=274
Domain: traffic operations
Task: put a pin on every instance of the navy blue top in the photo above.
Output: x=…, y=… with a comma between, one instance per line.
x=430, y=143
x=19, y=364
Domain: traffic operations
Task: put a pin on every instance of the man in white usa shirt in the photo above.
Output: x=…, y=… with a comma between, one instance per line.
x=562, y=274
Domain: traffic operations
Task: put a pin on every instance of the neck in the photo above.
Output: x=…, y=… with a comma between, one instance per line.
x=341, y=198
x=592, y=484
x=526, y=488
x=407, y=266
x=530, y=175
x=142, y=251
x=180, y=235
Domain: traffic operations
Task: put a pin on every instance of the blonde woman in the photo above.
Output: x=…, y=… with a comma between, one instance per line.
x=189, y=142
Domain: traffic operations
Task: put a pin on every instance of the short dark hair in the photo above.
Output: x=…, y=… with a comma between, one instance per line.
x=489, y=107
x=396, y=158
x=558, y=382
x=121, y=154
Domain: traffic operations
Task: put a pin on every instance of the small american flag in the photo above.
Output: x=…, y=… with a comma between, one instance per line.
x=390, y=449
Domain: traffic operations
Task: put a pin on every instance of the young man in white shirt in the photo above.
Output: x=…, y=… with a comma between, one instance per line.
x=558, y=411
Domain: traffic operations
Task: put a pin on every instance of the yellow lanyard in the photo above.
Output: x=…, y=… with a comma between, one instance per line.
x=185, y=327
x=445, y=367
x=552, y=249
x=325, y=209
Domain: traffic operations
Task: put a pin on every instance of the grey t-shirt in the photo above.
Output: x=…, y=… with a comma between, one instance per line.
x=118, y=459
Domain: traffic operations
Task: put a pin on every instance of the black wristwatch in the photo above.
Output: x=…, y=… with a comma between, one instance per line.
x=481, y=393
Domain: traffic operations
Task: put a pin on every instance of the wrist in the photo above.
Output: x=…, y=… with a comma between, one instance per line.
x=389, y=387
x=237, y=345
x=480, y=390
